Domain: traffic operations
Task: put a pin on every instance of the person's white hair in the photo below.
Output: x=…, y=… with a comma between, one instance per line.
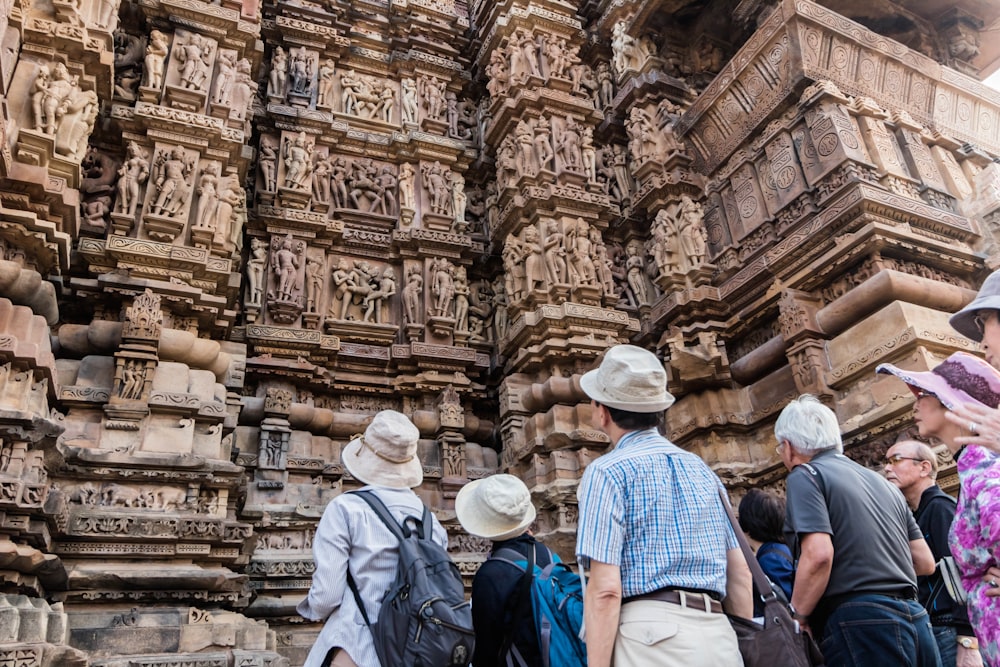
x=809, y=426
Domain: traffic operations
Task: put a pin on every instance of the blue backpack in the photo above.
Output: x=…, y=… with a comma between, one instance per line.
x=557, y=606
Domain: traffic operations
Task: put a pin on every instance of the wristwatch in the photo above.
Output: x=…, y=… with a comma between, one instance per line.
x=795, y=614
x=968, y=642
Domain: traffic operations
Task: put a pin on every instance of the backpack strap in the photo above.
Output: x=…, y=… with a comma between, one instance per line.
x=518, y=603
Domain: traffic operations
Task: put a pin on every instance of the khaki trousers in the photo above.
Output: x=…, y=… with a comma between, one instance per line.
x=661, y=633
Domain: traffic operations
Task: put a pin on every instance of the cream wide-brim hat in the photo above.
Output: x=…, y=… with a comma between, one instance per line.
x=386, y=455
x=988, y=298
x=497, y=508
x=629, y=378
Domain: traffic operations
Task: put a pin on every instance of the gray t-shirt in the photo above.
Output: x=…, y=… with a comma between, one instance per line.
x=866, y=518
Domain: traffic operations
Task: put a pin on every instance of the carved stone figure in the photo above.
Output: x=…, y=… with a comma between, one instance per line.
x=386, y=102
x=462, y=291
x=341, y=297
x=442, y=287
x=244, y=90
x=268, y=161
x=459, y=201
x=362, y=281
x=222, y=90
x=171, y=174
x=664, y=237
x=132, y=174
x=208, y=196
x=285, y=265
x=642, y=135
x=338, y=181
x=530, y=49
x=129, y=53
x=635, y=267
x=385, y=192
x=692, y=232
x=622, y=176
x=555, y=253
x=314, y=283
x=432, y=93
x=255, y=271
x=156, y=54
x=498, y=74
x=194, y=57
x=568, y=145
x=410, y=105
x=232, y=200
x=321, y=179
x=534, y=260
x=407, y=192
x=602, y=262
x=412, y=294
x=543, y=144
x=53, y=91
x=300, y=72
x=525, y=157
x=327, y=74
x=581, y=264
x=606, y=85
x=588, y=154
x=374, y=302
x=277, y=77
x=436, y=183
x=513, y=255
x=297, y=156
x=362, y=184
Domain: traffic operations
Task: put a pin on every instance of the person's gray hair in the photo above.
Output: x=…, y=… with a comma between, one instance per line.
x=809, y=426
x=922, y=451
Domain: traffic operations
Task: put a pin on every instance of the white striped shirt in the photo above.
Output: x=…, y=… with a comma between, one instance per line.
x=350, y=534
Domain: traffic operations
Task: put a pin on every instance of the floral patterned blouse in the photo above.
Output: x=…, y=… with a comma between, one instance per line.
x=975, y=543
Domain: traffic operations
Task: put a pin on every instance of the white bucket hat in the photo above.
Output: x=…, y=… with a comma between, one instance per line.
x=386, y=455
x=988, y=299
x=629, y=378
x=497, y=507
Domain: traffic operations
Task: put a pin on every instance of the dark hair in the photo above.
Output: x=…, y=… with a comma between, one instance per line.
x=633, y=421
x=762, y=516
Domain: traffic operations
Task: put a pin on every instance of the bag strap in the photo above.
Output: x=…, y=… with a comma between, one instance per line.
x=522, y=595
x=357, y=598
x=759, y=578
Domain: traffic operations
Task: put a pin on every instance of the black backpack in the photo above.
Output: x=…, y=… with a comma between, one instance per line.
x=425, y=620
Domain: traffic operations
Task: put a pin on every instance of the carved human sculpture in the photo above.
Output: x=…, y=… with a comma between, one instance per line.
x=664, y=237
x=327, y=80
x=362, y=281
x=255, y=271
x=459, y=200
x=513, y=255
x=300, y=72
x=78, y=115
x=341, y=297
x=244, y=90
x=543, y=144
x=171, y=175
x=285, y=264
x=642, y=135
x=606, y=85
x=602, y=262
x=635, y=268
x=339, y=172
x=506, y=162
x=208, y=196
x=499, y=75
x=407, y=191
x=530, y=49
x=386, y=102
x=556, y=56
x=525, y=156
x=349, y=84
x=568, y=145
x=156, y=54
x=194, y=56
x=442, y=287
x=588, y=154
x=131, y=175
x=461, y=289
x=622, y=176
x=232, y=200
x=314, y=283
x=277, y=77
x=501, y=318
x=321, y=179
x=692, y=232
x=436, y=183
x=225, y=79
x=363, y=184
x=581, y=263
x=53, y=90
x=451, y=111
x=412, y=294
x=555, y=253
x=410, y=106
x=374, y=302
x=385, y=192
x=624, y=48
x=432, y=94
x=533, y=256
x=297, y=156
x=268, y=161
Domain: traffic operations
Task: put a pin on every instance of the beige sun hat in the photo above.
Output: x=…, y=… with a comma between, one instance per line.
x=629, y=378
x=988, y=298
x=497, y=507
x=386, y=455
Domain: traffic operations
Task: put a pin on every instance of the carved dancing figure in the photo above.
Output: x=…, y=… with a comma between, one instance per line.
x=58, y=89
x=462, y=291
x=534, y=260
x=208, y=196
x=298, y=161
x=525, y=139
x=692, y=232
x=156, y=54
x=589, y=154
x=314, y=283
x=277, y=76
x=386, y=102
x=327, y=72
x=443, y=286
x=606, y=85
x=194, y=56
x=602, y=262
x=513, y=264
x=543, y=144
x=133, y=173
x=437, y=187
x=232, y=198
x=569, y=145
x=222, y=91
x=285, y=264
x=255, y=271
x=432, y=91
x=338, y=181
x=664, y=239
x=268, y=161
x=411, y=295
x=581, y=262
x=499, y=77
x=407, y=190
x=459, y=200
x=410, y=105
x=171, y=183
x=321, y=179
x=635, y=274
x=555, y=253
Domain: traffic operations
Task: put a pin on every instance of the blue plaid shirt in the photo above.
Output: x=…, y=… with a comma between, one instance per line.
x=653, y=509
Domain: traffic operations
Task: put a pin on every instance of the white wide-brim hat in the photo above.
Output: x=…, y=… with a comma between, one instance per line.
x=629, y=378
x=497, y=507
x=386, y=455
x=988, y=299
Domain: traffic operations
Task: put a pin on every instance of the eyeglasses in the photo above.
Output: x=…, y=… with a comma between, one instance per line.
x=896, y=458
x=981, y=318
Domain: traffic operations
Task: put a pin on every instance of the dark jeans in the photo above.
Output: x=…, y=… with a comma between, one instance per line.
x=947, y=642
x=879, y=631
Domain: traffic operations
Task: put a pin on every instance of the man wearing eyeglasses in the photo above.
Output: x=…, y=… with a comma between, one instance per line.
x=912, y=467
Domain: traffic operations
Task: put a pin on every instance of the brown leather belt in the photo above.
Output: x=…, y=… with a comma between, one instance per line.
x=681, y=598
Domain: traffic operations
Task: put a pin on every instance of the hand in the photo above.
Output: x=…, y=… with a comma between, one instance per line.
x=968, y=657
x=982, y=422
x=992, y=579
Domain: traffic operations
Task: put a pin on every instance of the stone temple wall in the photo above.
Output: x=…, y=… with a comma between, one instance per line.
x=231, y=232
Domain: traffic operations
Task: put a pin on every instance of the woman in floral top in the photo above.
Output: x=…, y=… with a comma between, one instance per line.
x=963, y=379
